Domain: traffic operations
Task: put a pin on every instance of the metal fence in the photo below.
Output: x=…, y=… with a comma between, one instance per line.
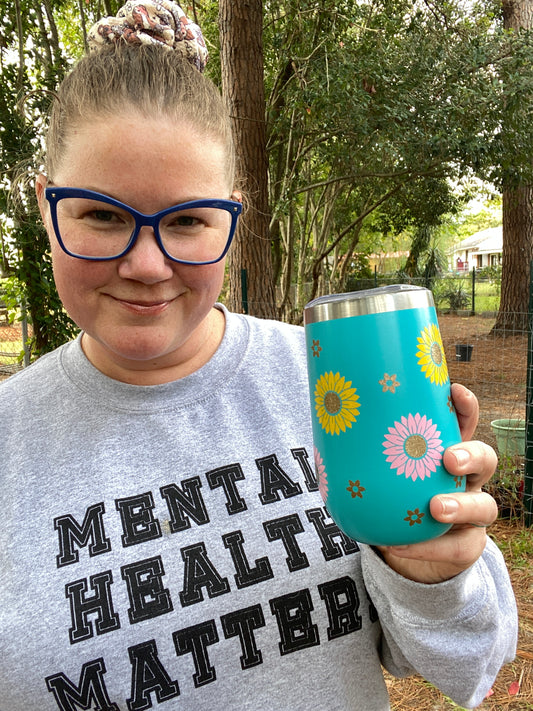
x=14, y=341
x=472, y=292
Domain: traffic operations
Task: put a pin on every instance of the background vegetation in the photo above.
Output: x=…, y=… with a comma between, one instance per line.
x=380, y=117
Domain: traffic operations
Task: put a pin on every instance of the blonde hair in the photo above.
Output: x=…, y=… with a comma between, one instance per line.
x=150, y=79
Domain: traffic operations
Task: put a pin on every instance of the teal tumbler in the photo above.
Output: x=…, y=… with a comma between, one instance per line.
x=382, y=412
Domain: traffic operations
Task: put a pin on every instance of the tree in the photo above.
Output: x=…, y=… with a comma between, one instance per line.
x=26, y=88
x=369, y=105
x=241, y=28
x=361, y=115
x=517, y=202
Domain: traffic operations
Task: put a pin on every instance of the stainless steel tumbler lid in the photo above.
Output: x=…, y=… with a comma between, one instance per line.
x=368, y=301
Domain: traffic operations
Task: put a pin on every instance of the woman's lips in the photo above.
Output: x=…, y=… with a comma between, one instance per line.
x=145, y=308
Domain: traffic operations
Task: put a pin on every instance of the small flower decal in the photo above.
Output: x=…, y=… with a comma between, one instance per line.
x=336, y=403
x=413, y=447
x=458, y=481
x=451, y=408
x=316, y=348
x=322, y=476
x=389, y=383
x=431, y=356
x=355, y=489
x=414, y=517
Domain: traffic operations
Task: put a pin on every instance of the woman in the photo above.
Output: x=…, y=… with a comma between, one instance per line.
x=165, y=544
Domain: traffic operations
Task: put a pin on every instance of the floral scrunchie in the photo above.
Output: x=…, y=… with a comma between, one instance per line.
x=150, y=22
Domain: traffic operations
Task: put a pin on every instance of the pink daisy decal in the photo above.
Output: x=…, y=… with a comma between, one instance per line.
x=413, y=447
x=322, y=476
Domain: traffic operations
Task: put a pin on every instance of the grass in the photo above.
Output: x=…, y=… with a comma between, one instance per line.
x=518, y=548
x=487, y=297
x=10, y=346
x=10, y=351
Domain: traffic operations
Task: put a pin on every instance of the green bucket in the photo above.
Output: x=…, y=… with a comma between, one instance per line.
x=510, y=436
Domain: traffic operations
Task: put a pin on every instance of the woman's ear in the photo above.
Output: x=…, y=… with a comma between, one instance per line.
x=237, y=196
x=40, y=185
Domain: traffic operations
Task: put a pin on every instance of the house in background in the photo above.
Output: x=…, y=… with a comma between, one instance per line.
x=482, y=249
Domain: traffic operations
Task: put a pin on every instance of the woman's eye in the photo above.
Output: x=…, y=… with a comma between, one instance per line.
x=102, y=215
x=186, y=221
x=105, y=218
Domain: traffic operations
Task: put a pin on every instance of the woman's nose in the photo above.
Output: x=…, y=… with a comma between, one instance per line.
x=145, y=262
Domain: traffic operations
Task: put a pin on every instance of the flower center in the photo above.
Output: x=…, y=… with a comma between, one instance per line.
x=436, y=353
x=415, y=446
x=332, y=403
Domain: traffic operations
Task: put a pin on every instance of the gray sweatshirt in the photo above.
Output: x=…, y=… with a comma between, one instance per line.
x=167, y=547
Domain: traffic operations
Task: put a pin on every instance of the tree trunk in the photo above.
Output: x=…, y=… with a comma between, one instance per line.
x=241, y=50
x=517, y=254
x=517, y=204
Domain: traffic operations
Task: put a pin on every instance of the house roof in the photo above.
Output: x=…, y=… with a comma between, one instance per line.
x=484, y=242
x=493, y=243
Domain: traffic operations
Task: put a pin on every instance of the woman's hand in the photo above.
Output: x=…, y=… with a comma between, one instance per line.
x=470, y=511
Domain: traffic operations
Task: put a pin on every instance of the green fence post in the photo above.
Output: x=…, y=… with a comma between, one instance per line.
x=528, y=467
x=244, y=290
x=25, y=333
x=473, y=311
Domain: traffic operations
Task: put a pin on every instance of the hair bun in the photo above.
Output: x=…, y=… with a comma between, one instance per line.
x=162, y=22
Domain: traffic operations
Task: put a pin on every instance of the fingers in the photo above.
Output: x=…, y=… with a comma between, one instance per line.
x=439, y=559
x=475, y=459
x=468, y=512
x=466, y=408
x=446, y=556
x=478, y=508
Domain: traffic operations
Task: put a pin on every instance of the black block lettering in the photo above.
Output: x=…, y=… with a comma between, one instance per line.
x=70, y=532
x=195, y=640
x=99, y=604
x=302, y=458
x=274, y=480
x=91, y=692
x=200, y=573
x=186, y=499
x=148, y=675
x=226, y=478
x=285, y=529
x=138, y=522
x=293, y=615
x=342, y=603
x=148, y=597
x=243, y=623
x=327, y=532
x=245, y=574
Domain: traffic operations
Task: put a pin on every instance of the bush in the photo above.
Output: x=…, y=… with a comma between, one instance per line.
x=452, y=292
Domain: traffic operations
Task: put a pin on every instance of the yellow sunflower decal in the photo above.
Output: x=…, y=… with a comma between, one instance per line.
x=431, y=356
x=336, y=403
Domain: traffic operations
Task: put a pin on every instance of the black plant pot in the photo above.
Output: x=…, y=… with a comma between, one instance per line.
x=463, y=351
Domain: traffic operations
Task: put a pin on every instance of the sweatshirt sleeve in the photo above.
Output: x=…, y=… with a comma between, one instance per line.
x=455, y=634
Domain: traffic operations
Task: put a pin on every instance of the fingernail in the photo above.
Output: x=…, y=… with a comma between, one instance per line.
x=461, y=456
x=449, y=506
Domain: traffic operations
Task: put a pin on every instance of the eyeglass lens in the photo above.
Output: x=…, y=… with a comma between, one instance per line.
x=91, y=228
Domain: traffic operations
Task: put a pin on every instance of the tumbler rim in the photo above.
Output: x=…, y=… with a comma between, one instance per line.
x=381, y=299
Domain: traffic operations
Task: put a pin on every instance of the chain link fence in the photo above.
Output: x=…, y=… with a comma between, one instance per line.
x=13, y=339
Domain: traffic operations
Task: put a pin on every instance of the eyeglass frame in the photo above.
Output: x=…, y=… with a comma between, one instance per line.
x=54, y=195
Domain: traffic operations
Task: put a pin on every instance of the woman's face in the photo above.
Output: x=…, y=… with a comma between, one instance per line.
x=146, y=319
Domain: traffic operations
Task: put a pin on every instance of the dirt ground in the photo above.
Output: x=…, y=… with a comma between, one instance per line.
x=497, y=374
x=497, y=371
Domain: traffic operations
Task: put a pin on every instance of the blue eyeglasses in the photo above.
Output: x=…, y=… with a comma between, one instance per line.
x=90, y=225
